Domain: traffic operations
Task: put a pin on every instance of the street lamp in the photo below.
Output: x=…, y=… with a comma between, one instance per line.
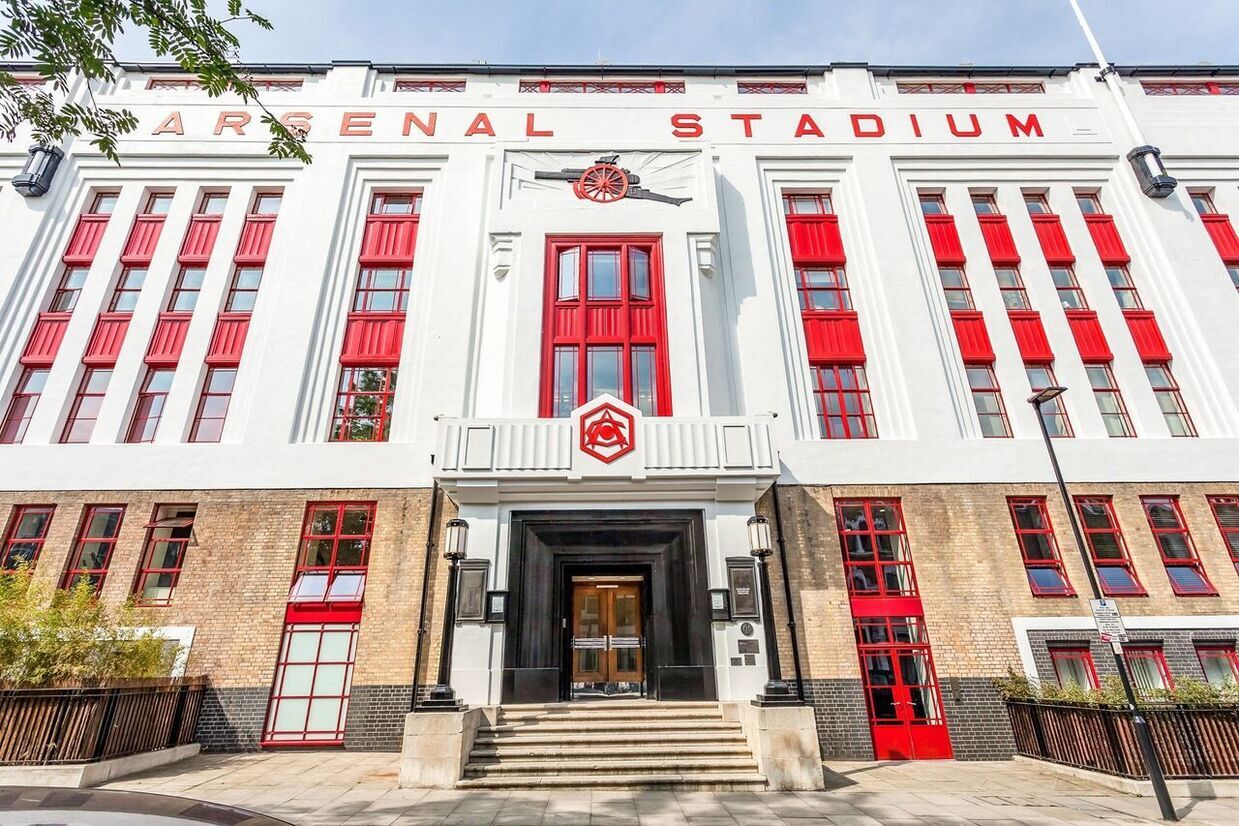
x=776, y=692
x=455, y=544
x=1139, y=725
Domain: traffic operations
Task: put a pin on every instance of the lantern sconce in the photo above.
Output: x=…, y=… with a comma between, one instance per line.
x=1154, y=180
x=36, y=176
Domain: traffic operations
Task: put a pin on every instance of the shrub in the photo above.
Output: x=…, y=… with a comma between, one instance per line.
x=1015, y=685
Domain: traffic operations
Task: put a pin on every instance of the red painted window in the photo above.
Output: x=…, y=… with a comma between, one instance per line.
x=932, y=204
x=92, y=550
x=1069, y=293
x=1107, y=547
x=169, y=535
x=382, y=290
x=970, y=88
x=1170, y=400
x=406, y=84
x=807, y=204
x=186, y=289
x=213, y=404
x=823, y=288
x=1037, y=203
x=396, y=203
x=1125, y=291
x=157, y=203
x=772, y=87
x=149, y=408
x=1148, y=668
x=1109, y=400
x=955, y=288
x=901, y=688
x=987, y=397
x=1038, y=547
x=277, y=84
x=1181, y=88
x=335, y=550
x=984, y=204
x=128, y=287
x=1011, y=284
x=1202, y=201
x=1219, y=664
x=1053, y=412
x=1074, y=666
x=163, y=83
x=629, y=87
x=67, y=291
x=21, y=406
x=1089, y=203
x=243, y=292
x=25, y=535
x=1226, y=512
x=363, y=404
x=85, y=408
x=605, y=329
x=313, y=679
x=844, y=409
x=876, y=554
x=266, y=203
x=212, y=203
x=1178, y=551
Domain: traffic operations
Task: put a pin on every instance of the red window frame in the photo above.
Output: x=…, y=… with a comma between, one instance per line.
x=261, y=201
x=772, y=87
x=242, y=293
x=1173, y=532
x=1109, y=400
x=128, y=288
x=1170, y=399
x=363, y=413
x=823, y=288
x=1180, y=88
x=1124, y=287
x=1070, y=295
x=24, y=547
x=636, y=338
x=280, y=694
x=167, y=528
x=1080, y=654
x=371, y=295
x=1226, y=515
x=1089, y=203
x=86, y=403
x=807, y=203
x=639, y=87
x=1037, y=204
x=22, y=404
x=1011, y=285
x=1042, y=534
x=1202, y=201
x=971, y=88
x=844, y=406
x=877, y=557
x=213, y=402
x=1106, y=546
x=75, y=570
x=1221, y=651
x=985, y=203
x=272, y=84
x=186, y=289
x=396, y=203
x=206, y=201
x=325, y=530
x=68, y=289
x=932, y=203
x=1053, y=412
x=148, y=409
x=157, y=203
x=103, y=203
x=1153, y=654
x=406, y=84
x=987, y=398
x=155, y=83
x=955, y=288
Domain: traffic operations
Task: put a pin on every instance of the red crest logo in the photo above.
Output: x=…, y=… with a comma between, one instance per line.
x=607, y=433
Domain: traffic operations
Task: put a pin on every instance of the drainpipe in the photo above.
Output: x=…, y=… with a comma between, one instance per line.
x=787, y=592
x=431, y=532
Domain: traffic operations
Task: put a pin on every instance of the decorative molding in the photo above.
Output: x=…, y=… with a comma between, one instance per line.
x=705, y=253
x=502, y=253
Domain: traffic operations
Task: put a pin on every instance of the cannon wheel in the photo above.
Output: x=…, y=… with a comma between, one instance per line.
x=602, y=183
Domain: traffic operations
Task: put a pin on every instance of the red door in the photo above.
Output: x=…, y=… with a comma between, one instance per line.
x=901, y=689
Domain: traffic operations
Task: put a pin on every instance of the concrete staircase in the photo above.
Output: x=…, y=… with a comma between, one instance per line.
x=616, y=744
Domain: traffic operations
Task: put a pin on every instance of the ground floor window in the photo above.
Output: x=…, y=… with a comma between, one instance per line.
x=92, y=552
x=313, y=677
x=1148, y=667
x=1220, y=664
x=171, y=533
x=25, y=536
x=1073, y=666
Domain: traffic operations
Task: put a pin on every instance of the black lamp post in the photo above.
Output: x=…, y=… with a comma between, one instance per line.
x=456, y=540
x=776, y=692
x=37, y=173
x=1139, y=725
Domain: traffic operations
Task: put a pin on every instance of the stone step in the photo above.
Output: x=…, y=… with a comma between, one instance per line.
x=633, y=714
x=609, y=765
x=705, y=781
x=652, y=737
x=583, y=726
x=594, y=749
x=600, y=705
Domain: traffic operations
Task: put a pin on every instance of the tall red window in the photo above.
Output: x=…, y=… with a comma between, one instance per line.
x=772, y=87
x=26, y=533
x=169, y=535
x=364, y=402
x=382, y=290
x=987, y=398
x=955, y=288
x=876, y=555
x=1107, y=548
x=616, y=87
x=1178, y=551
x=92, y=550
x=1226, y=512
x=1109, y=400
x=1148, y=668
x=84, y=411
x=406, y=84
x=335, y=550
x=823, y=288
x=1070, y=296
x=186, y=289
x=149, y=408
x=128, y=288
x=1219, y=664
x=213, y=404
x=1053, y=412
x=1073, y=666
x=971, y=88
x=1089, y=203
x=1011, y=284
x=68, y=289
x=22, y=405
x=1182, y=87
x=984, y=203
x=605, y=325
x=1037, y=204
x=1170, y=400
x=313, y=680
x=243, y=291
x=1124, y=287
x=807, y=203
x=1038, y=547
x=844, y=409
x=932, y=203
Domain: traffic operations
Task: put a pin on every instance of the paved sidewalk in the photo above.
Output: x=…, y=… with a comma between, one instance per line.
x=322, y=788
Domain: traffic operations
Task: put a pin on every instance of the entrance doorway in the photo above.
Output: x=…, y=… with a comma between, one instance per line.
x=608, y=641
x=905, y=705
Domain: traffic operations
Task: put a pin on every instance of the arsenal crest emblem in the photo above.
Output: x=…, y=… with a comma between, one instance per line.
x=607, y=433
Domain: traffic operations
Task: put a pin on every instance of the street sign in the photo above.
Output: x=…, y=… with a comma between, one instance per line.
x=1109, y=621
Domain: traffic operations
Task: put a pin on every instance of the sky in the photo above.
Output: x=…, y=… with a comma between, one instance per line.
x=735, y=32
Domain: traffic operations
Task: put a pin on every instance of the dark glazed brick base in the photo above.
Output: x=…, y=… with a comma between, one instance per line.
x=375, y=719
x=842, y=720
x=232, y=718
x=977, y=719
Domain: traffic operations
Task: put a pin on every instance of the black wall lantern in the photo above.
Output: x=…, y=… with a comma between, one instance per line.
x=1151, y=172
x=36, y=176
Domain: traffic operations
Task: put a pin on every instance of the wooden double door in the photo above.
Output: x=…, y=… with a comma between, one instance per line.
x=608, y=639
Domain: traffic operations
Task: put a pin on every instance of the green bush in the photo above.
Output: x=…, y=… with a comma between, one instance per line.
x=1015, y=685
x=54, y=637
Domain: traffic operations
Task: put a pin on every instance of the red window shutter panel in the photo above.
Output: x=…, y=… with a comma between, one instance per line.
x=168, y=339
x=106, y=340
x=1147, y=336
x=388, y=241
x=834, y=338
x=1030, y=336
x=255, y=240
x=973, y=338
x=199, y=239
x=1090, y=340
x=45, y=338
x=373, y=339
x=300, y=613
x=815, y=239
x=944, y=238
x=85, y=240
x=142, y=239
x=1053, y=240
x=228, y=340
x=1107, y=239
x=998, y=240
x=1223, y=234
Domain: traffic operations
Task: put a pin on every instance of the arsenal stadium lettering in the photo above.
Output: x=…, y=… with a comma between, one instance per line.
x=770, y=126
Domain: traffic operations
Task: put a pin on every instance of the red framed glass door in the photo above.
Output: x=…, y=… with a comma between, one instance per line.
x=901, y=689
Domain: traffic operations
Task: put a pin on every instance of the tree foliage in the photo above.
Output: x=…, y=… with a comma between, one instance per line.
x=49, y=637
x=74, y=38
